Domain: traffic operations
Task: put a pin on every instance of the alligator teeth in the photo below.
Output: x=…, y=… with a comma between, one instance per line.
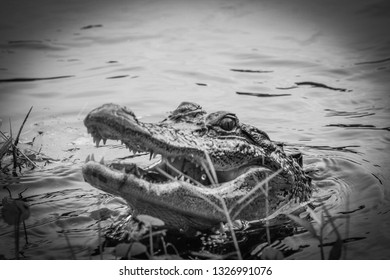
x=97, y=141
x=87, y=159
x=123, y=170
x=93, y=157
x=102, y=161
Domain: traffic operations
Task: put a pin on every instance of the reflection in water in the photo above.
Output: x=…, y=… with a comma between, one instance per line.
x=326, y=65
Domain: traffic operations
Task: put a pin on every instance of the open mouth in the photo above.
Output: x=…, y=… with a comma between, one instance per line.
x=194, y=163
x=165, y=167
x=180, y=149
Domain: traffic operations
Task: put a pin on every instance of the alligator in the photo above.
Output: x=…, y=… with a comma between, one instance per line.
x=210, y=168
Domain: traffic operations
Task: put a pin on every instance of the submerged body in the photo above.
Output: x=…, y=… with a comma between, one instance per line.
x=205, y=158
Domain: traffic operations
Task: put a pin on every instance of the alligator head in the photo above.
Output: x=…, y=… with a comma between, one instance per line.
x=210, y=167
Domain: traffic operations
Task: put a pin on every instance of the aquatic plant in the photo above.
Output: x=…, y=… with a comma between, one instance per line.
x=322, y=221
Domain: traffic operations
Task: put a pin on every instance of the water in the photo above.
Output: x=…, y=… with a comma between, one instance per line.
x=312, y=74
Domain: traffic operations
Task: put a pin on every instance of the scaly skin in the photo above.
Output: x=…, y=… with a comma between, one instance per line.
x=189, y=140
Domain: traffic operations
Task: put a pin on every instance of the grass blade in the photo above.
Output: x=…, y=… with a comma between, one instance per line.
x=314, y=216
x=230, y=224
x=13, y=145
x=5, y=147
x=21, y=127
x=303, y=223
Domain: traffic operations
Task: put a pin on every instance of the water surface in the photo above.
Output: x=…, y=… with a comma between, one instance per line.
x=312, y=74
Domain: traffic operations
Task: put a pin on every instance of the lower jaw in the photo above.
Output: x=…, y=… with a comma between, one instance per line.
x=174, y=202
x=171, y=201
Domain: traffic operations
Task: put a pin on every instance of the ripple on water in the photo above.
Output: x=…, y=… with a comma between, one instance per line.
x=351, y=183
x=350, y=193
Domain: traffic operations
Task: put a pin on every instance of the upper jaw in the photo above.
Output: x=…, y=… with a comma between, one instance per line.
x=183, y=154
x=182, y=150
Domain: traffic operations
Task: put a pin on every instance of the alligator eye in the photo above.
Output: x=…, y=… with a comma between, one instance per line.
x=227, y=124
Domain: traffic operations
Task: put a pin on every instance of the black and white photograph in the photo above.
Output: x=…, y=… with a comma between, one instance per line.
x=246, y=130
